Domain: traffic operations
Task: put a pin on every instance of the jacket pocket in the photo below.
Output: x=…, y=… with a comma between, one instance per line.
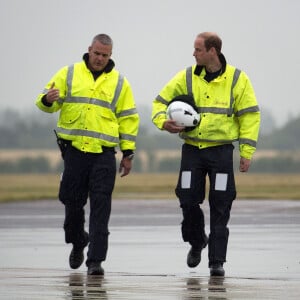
x=69, y=116
x=108, y=123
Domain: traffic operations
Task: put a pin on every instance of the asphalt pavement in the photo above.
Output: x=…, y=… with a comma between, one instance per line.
x=147, y=258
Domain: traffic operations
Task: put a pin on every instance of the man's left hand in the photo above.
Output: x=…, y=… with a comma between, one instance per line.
x=125, y=166
x=244, y=164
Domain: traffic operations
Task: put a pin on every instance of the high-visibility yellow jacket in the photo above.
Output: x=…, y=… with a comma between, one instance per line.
x=227, y=107
x=93, y=113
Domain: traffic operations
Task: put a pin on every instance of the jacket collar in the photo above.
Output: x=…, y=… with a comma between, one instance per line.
x=108, y=68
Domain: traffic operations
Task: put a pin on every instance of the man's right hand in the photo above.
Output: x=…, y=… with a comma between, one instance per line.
x=170, y=125
x=53, y=94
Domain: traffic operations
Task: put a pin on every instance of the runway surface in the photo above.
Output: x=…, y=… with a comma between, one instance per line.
x=147, y=258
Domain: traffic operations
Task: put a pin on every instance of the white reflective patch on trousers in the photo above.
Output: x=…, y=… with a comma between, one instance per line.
x=221, y=181
x=186, y=179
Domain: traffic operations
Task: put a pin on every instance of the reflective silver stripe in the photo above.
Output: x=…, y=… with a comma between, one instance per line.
x=189, y=76
x=247, y=141
x=117, y=92
x=161, y=100
x=250, y=142
x=246, y=110
x=214, y=110
x=184, y=135
x=87, y=133
x=157, y=114
x=236, y=76
x=100, y=102
x=128, y=137
x=85, y=100
x=69, y=80
x=126, y=113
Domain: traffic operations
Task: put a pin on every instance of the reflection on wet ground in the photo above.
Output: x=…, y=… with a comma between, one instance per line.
x=62, y=284
x=147, y=259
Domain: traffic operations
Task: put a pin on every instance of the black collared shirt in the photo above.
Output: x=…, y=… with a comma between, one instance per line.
x=210, y=76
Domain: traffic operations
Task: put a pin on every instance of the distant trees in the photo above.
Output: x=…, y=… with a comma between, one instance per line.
x=268, y=124
x=39, y=164
x=285, y=138
x=26, y=131
x=35, y=131
x=276, y=165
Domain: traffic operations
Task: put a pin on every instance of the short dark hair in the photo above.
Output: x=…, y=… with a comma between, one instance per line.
x=103, y=39
x=211, y=40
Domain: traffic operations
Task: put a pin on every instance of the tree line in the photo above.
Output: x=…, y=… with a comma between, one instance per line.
x=35, y=131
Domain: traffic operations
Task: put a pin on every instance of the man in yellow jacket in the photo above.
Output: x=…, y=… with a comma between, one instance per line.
x=97, y=114
x=225, y=99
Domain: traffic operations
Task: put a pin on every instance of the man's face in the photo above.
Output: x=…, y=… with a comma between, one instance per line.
x=99, y=56
x=200, y=53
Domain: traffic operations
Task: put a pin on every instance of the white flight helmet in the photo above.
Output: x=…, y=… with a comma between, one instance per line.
x=181, y=109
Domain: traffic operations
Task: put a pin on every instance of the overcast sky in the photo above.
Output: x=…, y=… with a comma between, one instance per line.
x=153, y=40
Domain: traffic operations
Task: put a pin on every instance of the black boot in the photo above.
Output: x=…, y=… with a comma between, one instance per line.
x=95, y=268
x=76, y=256
x=216, y=269
x=194, y=255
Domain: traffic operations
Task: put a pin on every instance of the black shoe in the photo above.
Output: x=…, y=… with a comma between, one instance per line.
x=76, y=256
x=95, y=269
x=217, y=269
x=194, y=255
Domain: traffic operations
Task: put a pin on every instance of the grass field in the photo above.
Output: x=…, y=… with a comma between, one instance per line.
x=150, y=186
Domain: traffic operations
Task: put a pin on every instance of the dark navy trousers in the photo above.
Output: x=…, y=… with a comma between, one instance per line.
x=88, y=175
x=196, y=164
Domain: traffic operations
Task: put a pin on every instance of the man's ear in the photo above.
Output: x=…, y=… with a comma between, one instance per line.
x=213, y=50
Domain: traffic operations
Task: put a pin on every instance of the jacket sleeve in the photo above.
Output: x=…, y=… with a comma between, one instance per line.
x=175, y=87
x=247, y=111
x=128, y=118
x=60, y=83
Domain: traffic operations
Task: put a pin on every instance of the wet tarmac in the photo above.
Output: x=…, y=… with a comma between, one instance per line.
x=147, y=258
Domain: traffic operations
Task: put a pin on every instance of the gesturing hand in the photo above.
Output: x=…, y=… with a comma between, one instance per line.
x=53, y=94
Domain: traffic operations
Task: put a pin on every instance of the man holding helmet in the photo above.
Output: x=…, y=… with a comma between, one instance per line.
x=225, y=99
